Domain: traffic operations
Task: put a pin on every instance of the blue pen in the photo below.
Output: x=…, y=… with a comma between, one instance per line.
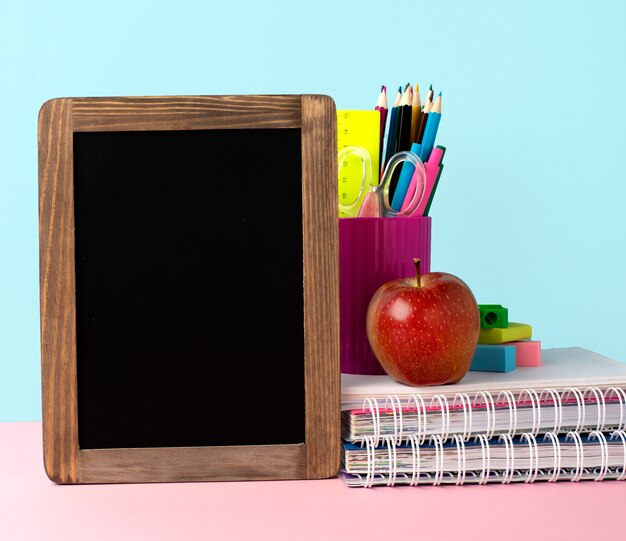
x=406, y=174
x=430, y=132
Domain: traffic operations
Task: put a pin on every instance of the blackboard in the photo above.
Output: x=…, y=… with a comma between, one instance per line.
x=191, y=329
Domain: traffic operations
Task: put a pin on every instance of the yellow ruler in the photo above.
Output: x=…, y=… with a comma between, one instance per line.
x=357, y=128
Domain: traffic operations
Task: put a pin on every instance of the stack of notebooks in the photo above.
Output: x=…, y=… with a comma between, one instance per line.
x=565, y=420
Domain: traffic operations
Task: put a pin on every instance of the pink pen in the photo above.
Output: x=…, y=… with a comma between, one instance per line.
x=432, y=170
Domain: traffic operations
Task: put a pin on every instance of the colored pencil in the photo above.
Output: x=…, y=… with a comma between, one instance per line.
x=392, y=128
x=402, y=138
x=415, y=112
x=404, y=126
x=430, y=131
x=381, y=106
x=424, y=116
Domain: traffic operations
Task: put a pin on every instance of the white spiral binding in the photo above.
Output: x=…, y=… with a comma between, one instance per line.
x=580, y=402
x=438, y=477
x=391, y=459
x=415, y=449
x=445, y=414
x=420, y=408
x=536, y=406
x=371, y=406
x=622, y=436
x=604, y=453
x=375, y=412
x=556, y=449
x=558, y=407
x=467, y=414
x=580, y=456
x=371, y=448
x=533, y=453
x=486, y=456
x=490, y=407
x=621, y=396
x=512, y=403
x=601, y=408
x=509, y=469
x=396, y=408
x=461, y=459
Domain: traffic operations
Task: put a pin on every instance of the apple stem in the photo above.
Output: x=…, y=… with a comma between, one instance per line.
x=418, y=275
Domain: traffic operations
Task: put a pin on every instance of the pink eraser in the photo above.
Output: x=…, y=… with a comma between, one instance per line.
x=527, y=352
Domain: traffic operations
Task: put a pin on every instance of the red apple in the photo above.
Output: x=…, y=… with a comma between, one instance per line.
x=424, y=329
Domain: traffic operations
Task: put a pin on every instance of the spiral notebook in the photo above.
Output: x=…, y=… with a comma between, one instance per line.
x=574, y=390
x=571, y=457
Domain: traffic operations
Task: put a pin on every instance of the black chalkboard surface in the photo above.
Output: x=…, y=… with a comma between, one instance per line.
x=189, y=288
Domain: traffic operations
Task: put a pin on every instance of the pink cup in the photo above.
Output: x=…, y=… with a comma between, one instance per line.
x=373, y=251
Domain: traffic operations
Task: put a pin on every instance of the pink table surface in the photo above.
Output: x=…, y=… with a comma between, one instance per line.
x=31, y=507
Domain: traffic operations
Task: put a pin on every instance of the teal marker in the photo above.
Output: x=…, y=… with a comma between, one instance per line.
x=406, y=174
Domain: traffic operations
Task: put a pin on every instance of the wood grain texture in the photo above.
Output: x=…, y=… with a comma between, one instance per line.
x=186, y=113
x=189, y=464
x=321, y=285
x=56, y=276
x=319, y=456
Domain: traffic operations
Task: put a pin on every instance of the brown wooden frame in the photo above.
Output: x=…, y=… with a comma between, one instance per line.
x=319, y=455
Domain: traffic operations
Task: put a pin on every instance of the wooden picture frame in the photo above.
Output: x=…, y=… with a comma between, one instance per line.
x=319, y=455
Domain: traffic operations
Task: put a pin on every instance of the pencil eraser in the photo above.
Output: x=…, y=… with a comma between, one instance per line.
x=527, y=353
x=493, y=315
x=493, y=358
x=513, y=333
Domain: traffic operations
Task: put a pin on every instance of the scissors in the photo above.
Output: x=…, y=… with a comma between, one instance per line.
x=376, y=202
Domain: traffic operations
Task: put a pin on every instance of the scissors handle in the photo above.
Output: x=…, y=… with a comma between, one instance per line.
x=376, y=203
x=349, y=208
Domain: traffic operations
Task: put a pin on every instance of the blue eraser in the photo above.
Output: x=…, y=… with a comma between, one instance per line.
x=493, y=358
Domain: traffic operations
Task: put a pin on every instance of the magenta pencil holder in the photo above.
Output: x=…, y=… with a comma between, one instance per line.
x=373, y=251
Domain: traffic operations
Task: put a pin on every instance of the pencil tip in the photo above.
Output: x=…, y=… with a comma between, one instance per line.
x=417, y=87
x=383, y=88
x=431, y=87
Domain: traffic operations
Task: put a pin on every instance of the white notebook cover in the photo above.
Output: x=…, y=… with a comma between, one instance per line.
x=561, y=368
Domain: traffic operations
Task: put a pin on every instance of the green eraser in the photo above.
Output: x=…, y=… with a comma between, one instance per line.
x=493, y=315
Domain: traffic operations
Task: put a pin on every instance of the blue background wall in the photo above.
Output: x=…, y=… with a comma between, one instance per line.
x=530, y=209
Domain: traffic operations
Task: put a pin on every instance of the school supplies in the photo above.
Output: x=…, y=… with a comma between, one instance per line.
x=414, y=129
x=389, y=148
x=574, y=456
x=372, y=252
x=404, y=180
x=433, y=168
x=497, y=335
x=493, y=315
x=430, y=131
x=512, y=333
x=153, y=375
x=415, y=112
x=381, y=106
x=390, y=429
x=527, y=352
x=424, y=116
x=494, y=358
x=357, y=129
x=376, y=203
